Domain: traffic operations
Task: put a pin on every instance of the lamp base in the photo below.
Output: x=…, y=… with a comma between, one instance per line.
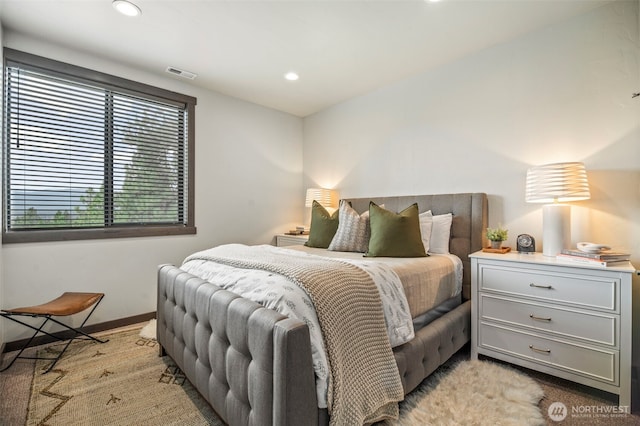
x=556, y=228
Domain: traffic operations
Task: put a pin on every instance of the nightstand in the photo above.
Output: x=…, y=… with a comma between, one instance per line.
x=570, y=321
x=290, y=240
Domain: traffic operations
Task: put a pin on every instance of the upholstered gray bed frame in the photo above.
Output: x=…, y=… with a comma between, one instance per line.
x=253, y=365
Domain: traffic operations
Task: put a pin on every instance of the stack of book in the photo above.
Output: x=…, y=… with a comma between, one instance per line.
x=300, y=230
x=604, y=258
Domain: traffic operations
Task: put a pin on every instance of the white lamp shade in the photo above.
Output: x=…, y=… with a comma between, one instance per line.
x=559, y=182
x=326, y=197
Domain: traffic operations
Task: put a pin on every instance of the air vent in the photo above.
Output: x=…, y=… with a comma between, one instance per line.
x=181, y=73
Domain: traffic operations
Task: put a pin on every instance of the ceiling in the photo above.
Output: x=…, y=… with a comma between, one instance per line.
x=340, y=48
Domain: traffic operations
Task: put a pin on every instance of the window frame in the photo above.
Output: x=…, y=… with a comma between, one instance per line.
x=121, y=85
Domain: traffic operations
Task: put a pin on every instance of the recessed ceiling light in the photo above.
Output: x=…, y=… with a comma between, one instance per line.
x=126, y=8
x=291, y=76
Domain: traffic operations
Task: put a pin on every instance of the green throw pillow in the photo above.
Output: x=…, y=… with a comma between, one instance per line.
x=323, y=226
x=395, y=234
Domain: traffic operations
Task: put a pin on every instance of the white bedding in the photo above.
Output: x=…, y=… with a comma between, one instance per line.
x=276, y=292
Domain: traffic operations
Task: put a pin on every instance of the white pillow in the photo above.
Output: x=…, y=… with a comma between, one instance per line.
x=426, y=225
x=440, y=233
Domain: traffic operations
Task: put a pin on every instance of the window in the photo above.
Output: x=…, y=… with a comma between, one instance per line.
x=89, y=155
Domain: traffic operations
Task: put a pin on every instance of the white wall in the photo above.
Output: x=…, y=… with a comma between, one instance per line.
x=248, y=187
x=558, y=94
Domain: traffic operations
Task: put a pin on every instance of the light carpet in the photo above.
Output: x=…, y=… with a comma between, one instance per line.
x=125, y=382
x=121, y=382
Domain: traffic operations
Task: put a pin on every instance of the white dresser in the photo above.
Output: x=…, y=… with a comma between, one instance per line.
x=570, y=321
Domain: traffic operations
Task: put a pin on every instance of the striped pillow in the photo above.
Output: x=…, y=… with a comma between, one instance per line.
x=353, y=230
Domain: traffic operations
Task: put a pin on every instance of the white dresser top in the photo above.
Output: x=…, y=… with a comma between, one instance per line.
x=539, y=258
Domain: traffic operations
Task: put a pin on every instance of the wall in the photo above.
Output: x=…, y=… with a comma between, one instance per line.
x=559, y=94
x=2, y=339
x=248, y=187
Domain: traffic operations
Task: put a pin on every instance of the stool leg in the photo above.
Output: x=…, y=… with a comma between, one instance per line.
x=56, y=359
x=77, y=332
x=38, y=330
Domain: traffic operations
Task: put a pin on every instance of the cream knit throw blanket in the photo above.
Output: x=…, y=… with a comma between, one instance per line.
x=365, y=383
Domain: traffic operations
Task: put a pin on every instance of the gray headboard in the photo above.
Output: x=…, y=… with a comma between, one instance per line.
x=470, y=212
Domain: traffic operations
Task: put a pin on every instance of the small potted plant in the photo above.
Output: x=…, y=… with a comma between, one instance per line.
x=497, y=236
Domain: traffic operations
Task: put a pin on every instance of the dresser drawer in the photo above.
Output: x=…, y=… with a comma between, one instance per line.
x=557, y=286
x=597, y=364
x=595, y=327
x=291, y=240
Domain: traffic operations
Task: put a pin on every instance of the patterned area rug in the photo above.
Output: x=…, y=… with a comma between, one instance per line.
x=121, y=382
x=125, y=382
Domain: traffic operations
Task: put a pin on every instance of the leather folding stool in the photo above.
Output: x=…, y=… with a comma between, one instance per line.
x=68, y=304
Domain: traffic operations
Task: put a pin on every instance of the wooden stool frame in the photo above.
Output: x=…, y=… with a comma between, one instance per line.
x=50, y=317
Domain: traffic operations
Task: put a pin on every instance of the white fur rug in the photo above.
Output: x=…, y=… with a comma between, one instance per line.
x=149, y=330
x=474, y=393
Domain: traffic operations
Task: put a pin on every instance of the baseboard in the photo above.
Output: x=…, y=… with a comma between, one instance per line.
x=67, y=334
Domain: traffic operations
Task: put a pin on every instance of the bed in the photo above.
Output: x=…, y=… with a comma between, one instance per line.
x=255, y=366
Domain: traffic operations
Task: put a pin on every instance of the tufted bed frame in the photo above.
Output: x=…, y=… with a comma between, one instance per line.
x=253, y=365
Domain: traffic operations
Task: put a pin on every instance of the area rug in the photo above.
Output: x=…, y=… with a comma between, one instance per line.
x=474, y=393
x=121, y=382
x=125, y=382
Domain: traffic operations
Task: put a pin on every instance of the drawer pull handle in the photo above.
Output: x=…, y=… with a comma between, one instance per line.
x=533, y=348
x=548, y=287
x=539, y=318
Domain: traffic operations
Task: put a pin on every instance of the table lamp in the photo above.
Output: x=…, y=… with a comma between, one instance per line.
x=326, y=197
x=556, y=184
